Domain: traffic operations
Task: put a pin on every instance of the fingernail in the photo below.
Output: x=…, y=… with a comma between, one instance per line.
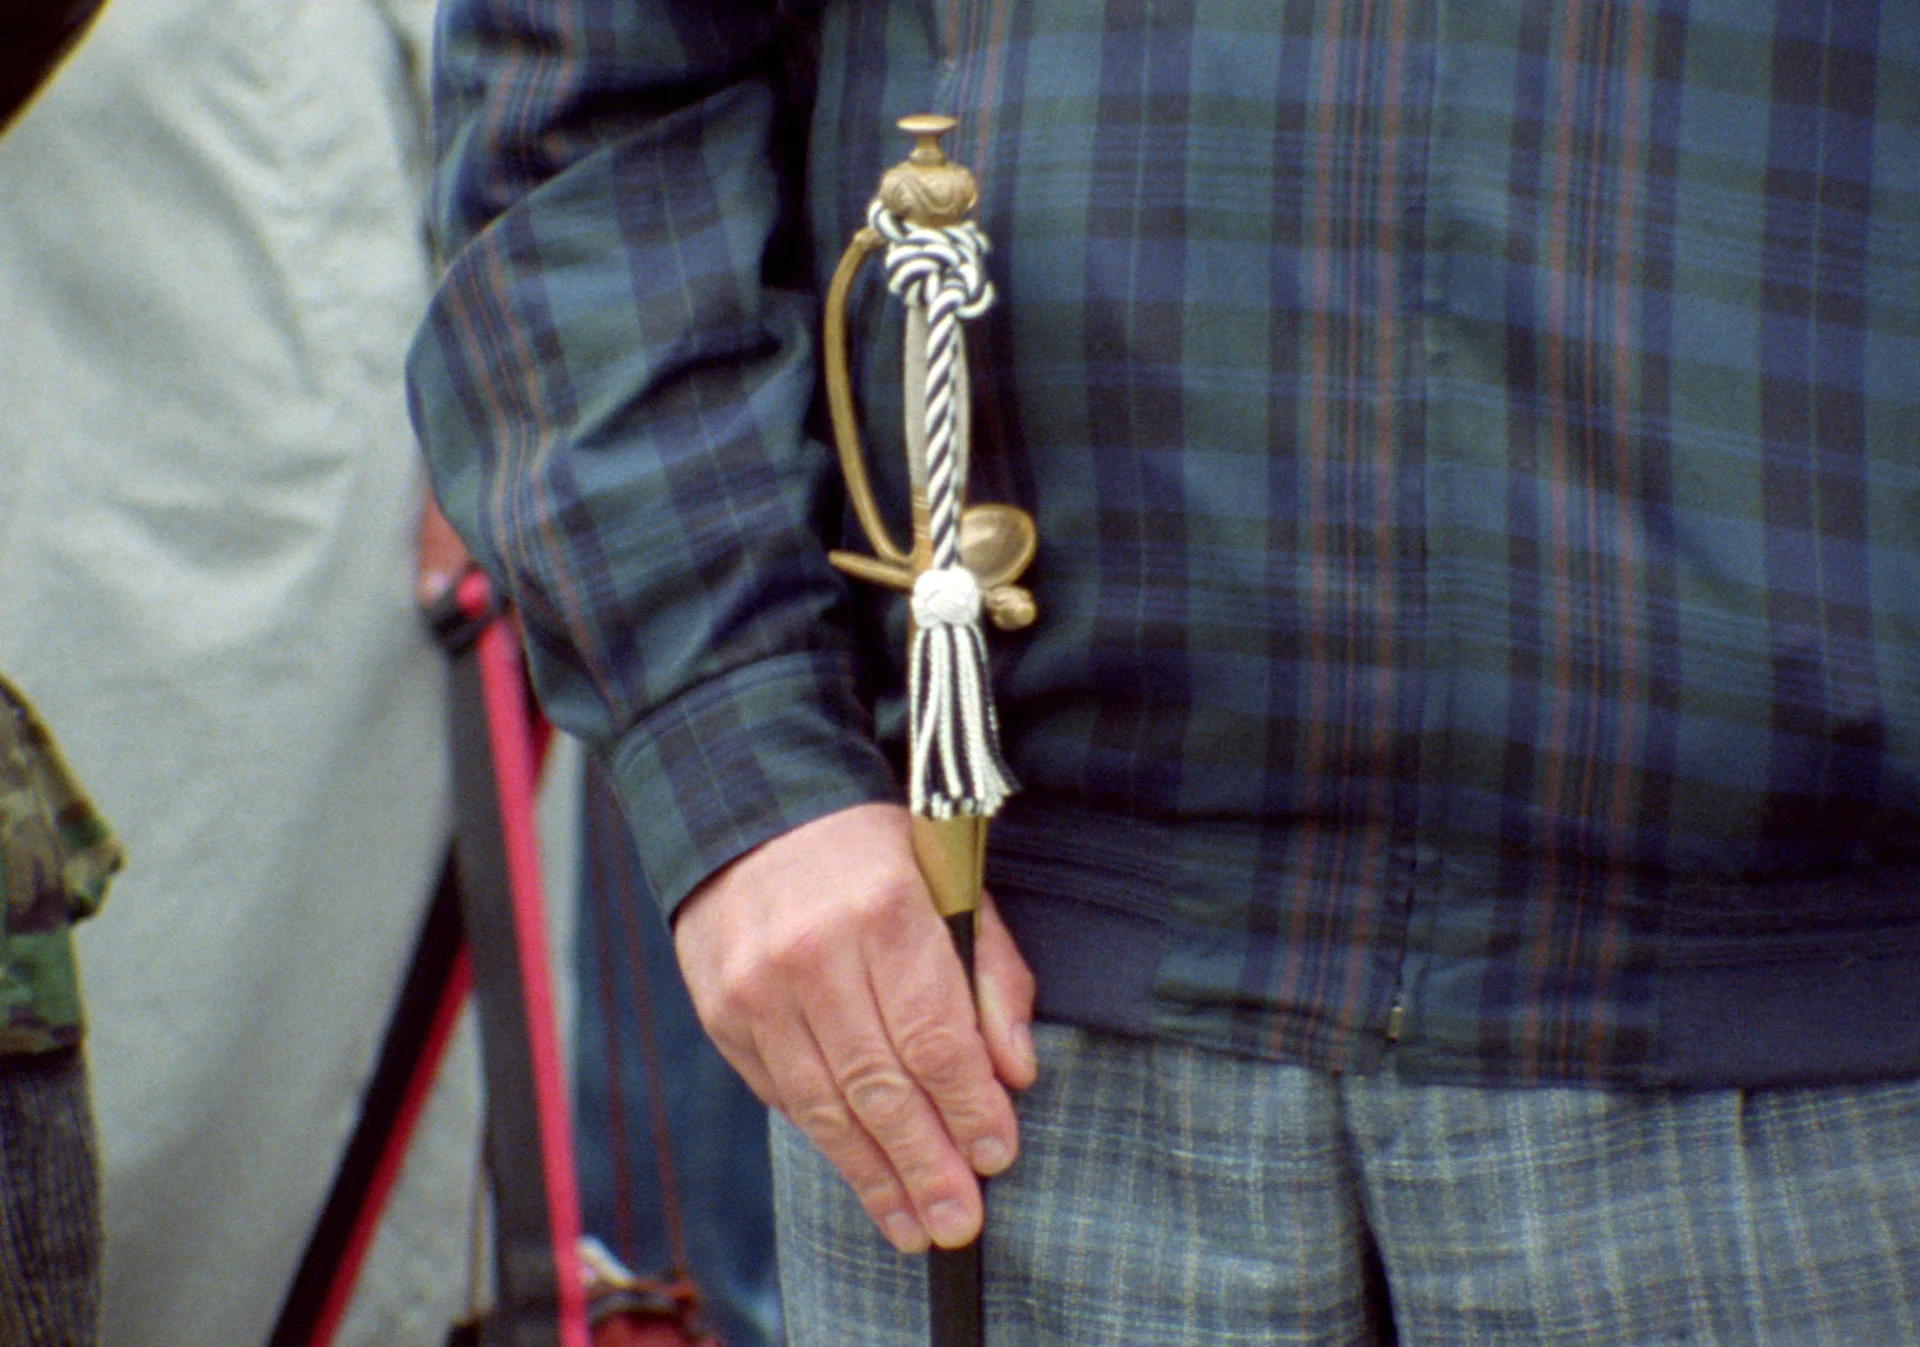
x=990, y=1155
x=947, y=1221
x=904, y=1233
x=1023, y=1049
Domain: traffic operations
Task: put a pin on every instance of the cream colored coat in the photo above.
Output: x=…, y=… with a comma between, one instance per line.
x=210, y=264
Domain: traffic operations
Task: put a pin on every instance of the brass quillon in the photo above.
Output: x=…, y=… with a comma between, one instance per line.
x=997, y=542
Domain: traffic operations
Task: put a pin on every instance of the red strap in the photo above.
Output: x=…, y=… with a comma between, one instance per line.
x=511, y=736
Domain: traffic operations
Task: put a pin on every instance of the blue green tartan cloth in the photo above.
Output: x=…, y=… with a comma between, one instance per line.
x=1476, y=452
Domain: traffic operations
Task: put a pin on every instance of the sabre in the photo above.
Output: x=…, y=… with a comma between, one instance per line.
x=963, y=563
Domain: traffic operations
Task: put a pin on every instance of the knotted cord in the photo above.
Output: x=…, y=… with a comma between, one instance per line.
x=954, y=767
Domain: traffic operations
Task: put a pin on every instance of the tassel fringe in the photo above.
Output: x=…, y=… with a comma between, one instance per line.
x=955, y=767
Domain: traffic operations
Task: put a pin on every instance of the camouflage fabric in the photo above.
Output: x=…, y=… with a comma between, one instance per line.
x=56, y=856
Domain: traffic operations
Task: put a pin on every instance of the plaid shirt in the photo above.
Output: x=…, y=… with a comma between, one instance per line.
x=1476, y=450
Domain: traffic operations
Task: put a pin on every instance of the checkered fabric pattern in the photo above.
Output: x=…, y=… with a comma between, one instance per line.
x=1185, y=1198
x=1474, y=450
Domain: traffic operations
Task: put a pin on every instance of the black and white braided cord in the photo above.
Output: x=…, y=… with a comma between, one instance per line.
x=955, y=766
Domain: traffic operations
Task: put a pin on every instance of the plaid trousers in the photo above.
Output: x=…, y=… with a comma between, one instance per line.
x=1169, y=1196
x=49, y=1202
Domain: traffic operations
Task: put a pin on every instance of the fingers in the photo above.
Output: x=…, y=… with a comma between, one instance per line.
x=790, y=1074
x=826, y=978
x=810, y=1097
x=1005, y=986
x=916, y=1074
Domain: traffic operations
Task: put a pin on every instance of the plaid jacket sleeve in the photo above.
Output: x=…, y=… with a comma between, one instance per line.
x=611, y=385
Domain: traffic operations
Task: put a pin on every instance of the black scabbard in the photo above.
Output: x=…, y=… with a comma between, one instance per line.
x=953, y=1275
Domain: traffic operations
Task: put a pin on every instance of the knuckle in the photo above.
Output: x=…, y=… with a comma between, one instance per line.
x=798, y=951
x=935, y=1054
x=822, y=1118
x=740, y=993
x=882, y=903
x=881, y=1096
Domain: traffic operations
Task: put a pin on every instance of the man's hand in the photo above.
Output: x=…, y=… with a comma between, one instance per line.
x=817, y=963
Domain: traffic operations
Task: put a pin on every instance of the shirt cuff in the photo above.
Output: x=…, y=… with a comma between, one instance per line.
x=744, y=758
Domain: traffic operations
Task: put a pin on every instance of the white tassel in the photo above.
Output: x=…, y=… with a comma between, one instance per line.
x=955, y=765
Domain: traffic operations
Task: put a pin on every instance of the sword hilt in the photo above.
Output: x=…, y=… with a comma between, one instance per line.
x=997, y=542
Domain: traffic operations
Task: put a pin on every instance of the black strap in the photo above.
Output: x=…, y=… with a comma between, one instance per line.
x=404, y=1057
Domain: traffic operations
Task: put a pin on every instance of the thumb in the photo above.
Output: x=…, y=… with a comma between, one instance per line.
x=1005, y=986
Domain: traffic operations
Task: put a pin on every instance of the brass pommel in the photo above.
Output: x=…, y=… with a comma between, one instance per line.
x=927, y=189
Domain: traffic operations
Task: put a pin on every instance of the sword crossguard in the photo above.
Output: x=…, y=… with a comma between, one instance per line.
x=997, y=542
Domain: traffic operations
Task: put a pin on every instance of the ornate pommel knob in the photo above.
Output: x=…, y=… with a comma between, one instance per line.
x=926, y=189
